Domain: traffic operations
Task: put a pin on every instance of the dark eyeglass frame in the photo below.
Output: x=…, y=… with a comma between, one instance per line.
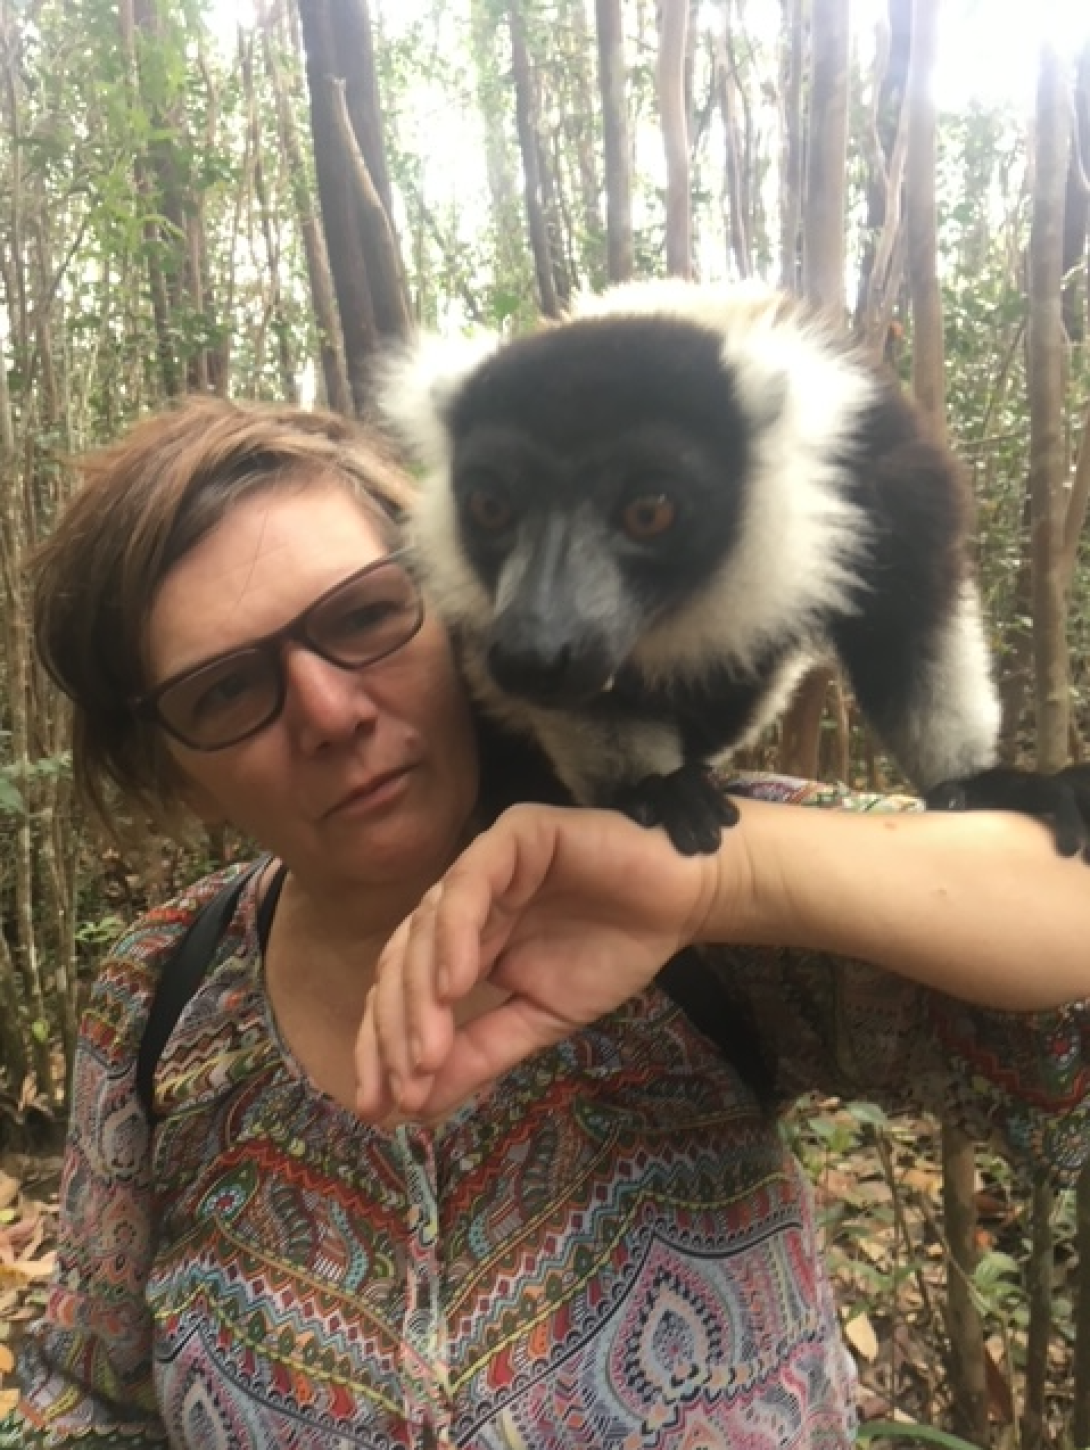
x=148, y=706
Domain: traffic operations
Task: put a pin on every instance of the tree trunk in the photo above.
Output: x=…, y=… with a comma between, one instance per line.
x=823, y=284
x=968, y=1385
x=393, y=315
x=965, y=1327
x=348, y=148
x=791, y=146
x=1039, y=1292
x=826, y=157
x=352, y=36
x=885, y=145
x=533, y=165
x=511, y=273
x=1081, y=1409
x=1045, y=369
x=921, y=218
x=621, y=257
x=736, y=181
x=1076, y=260
x=337, y=393
x=674, y=116
x=580, y=126
x=1075, y=513
x=170, y=373
x=274, y=321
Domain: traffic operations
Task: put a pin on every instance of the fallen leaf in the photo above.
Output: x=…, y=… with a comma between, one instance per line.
x=26, y=1271
x=860, y=1334
x=9, y=1189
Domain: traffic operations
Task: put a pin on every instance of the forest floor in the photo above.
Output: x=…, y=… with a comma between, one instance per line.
x=878, y=1190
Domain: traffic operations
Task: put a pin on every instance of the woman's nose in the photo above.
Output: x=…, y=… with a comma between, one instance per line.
x=324, y=701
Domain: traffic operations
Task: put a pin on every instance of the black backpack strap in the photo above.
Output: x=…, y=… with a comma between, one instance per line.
x=181, y=974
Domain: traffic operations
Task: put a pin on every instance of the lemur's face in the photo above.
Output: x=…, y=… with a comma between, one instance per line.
x=593, y=491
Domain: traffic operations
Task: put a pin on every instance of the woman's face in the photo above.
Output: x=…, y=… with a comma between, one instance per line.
x=367, y=776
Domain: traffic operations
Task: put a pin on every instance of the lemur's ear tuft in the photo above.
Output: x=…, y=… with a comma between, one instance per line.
x=416, y=386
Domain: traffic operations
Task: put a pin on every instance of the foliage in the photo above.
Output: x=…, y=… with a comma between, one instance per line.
x=877, y=1182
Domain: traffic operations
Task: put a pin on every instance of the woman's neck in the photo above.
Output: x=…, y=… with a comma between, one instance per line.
x=347, y=914
x=320, y=964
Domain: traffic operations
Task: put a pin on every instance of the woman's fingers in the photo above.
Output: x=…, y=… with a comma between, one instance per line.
x=408, y=1023
x=485, y=1048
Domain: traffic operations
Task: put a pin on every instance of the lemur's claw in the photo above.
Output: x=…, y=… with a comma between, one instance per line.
x=688, y=804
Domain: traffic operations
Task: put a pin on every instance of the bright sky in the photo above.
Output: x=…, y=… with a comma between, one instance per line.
x=987, y=48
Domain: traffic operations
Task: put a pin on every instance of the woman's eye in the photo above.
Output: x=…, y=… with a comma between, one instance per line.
x=648, y=516
x=225, y=692
x=362, y=619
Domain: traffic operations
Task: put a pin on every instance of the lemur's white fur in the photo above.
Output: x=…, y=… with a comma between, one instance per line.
x=954, y=728
x=800, y=535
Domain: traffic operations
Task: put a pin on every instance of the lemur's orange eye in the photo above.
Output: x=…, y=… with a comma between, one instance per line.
x=488, y=510
x=648, y=516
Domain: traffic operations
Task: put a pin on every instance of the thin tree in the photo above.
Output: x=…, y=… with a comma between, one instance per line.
x=353, y=186
x=1076, y=258
x=334, y=375
x=736, y=177
x=616, y=141
x=1045, y=345
x=552, y=284
x=823, y=283
x=825, y=185
x=792, y=65
x=670, y=73
x=1081, y=1414
x=884, y=144
x=577, y=134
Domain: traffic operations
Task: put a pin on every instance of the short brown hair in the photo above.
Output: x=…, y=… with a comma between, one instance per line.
x=145, y=501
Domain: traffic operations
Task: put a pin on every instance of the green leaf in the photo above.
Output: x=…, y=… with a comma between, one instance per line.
x=11, y=799
x=912, y=1434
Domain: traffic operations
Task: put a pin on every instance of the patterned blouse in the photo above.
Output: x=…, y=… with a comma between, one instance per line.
x=611, y=1248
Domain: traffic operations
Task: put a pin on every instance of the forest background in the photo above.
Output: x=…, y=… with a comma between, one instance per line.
x=254, y=198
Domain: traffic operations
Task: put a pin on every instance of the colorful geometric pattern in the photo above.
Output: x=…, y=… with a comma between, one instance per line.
x=613, y=1249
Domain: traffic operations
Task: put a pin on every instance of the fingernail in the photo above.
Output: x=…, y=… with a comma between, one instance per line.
x=416, y=1052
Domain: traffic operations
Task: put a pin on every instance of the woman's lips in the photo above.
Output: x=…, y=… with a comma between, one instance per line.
x=373, y=794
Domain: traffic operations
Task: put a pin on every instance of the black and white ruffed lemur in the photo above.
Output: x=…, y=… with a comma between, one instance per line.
x=644, y=523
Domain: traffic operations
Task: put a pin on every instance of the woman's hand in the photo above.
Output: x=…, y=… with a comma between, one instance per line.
x=568, y=912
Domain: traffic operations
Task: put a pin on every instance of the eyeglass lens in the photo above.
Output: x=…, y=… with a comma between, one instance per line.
x=368, y=617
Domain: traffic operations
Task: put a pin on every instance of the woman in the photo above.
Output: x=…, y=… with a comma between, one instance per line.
x=610, y=1246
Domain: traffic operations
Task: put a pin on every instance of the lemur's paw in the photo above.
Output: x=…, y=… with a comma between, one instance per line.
x=1061, y=798
x=688, y=804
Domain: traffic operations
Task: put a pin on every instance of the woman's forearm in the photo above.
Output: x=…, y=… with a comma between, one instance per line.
x=976, y=904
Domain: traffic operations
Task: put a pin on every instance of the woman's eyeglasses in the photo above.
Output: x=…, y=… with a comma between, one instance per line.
x=228, y=698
